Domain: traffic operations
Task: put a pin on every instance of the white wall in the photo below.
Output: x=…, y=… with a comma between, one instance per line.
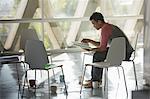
x=147, y=42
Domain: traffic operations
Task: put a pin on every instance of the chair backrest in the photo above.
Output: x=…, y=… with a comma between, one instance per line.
x=27, y=34
x=35, y=54
x=117, y=51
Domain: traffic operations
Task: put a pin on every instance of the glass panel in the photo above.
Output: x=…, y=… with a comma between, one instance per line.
x=59, y=32
x=10, y=33
x=56, y=33
x=120, y=7
x=4, y=28
x=62, y=8
x=66, y=8
x=19, y=9
x=8, y=8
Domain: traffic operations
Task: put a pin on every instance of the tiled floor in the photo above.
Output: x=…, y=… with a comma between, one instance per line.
x=73, y=69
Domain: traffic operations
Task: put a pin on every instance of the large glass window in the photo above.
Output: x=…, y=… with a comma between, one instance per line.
x=60, y=22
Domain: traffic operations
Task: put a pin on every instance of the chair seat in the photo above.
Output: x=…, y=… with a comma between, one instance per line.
x=51, y=66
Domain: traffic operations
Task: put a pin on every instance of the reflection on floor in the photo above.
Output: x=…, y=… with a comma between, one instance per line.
x=73, y=69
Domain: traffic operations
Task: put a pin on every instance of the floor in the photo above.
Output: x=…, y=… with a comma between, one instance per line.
x=72, y=65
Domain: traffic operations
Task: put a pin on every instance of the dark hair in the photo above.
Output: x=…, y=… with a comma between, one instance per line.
x=97, y=16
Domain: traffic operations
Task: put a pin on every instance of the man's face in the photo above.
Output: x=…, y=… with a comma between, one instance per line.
x=97, y=24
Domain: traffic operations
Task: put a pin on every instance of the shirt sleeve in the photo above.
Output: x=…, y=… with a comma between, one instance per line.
x=105, y=35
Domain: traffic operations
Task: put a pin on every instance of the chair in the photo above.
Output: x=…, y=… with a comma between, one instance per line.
x=114, y=58
x=11, y=57
x=36, y=57
x=27, y=34
x=132, y=59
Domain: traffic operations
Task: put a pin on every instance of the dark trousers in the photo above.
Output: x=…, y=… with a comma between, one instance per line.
x=96, y=73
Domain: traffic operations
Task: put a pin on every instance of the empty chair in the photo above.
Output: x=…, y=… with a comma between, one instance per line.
x=10, y=57
x=27, y=34
x=36, y=57
x=114, y=58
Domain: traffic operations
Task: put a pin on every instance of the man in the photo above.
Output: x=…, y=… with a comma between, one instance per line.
x=108, y=32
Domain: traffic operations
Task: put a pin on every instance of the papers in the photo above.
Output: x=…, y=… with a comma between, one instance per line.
x=82, y=45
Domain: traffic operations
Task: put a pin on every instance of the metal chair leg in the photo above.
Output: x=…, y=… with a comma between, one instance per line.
x=18, y=77
x=25, y=81
x=82, y=80
x=105, y=83
x=51, y=61
x=48, y=84
x=125, y=80
x=118, y=72
x=83, y=62
x=64, y=81
x=35, y=82
x=135, y=75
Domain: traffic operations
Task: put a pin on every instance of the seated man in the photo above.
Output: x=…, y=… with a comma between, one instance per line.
x=107, y=32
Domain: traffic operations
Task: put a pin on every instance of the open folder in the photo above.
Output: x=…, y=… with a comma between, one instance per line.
x=82, y=45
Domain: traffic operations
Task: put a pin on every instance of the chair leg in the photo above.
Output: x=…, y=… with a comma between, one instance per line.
x=35, y=82
x=83, y=62
x=125, y=80
x=135, y=75
x=105, y=89
x=48, y=84
x=18, y=77
x=25, y=81
x=64, y=81
x=118, y=81
x=82, y=67
x=105, y=78
x=82, y=79
x=118, y=72
x=51, y=61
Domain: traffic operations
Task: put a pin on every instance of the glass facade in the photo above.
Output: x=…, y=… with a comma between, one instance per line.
x=60, y=22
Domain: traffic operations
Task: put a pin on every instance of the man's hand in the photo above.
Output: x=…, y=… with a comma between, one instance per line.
x=86, y=40
x=88, y=49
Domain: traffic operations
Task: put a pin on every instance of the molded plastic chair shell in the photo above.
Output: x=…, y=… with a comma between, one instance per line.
x=27, y=34
x=35, y=54
x=36, y=57
x=115, y=56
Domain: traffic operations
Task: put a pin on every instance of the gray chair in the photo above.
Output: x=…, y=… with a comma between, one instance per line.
x=11, y=57
x=114, y=58
x=27, y=34
x=36, y=57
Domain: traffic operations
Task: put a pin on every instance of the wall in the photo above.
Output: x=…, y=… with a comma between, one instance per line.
x=147, y=42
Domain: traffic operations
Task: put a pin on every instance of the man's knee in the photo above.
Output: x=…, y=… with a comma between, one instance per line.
x=99, y=56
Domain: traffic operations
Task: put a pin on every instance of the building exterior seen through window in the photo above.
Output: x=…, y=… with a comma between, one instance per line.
x=60, y=22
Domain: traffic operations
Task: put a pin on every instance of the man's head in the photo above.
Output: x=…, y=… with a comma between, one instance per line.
x=97, y=20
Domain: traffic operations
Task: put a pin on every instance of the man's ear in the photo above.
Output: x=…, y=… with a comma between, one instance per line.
x=99, y=21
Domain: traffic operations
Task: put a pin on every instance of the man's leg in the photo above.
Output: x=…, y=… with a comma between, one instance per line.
x=96, y=73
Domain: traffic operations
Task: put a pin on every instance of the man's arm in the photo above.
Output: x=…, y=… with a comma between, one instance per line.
x=91, y=41
x=97, y=44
